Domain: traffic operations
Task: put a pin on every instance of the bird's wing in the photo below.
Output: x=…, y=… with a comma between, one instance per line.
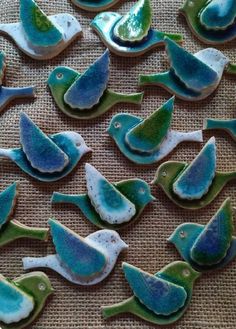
x=189, y=69
x=112, y=206
x=87, y=90
x=218, y=14
x=149, y=134
x=196, y=179
x=7, y=203
x=80, y=257
x=2, y=66
x=15, y=304
x=39, y=30
x=161, y=296
x=134, y=26
x=212, y=244
x=42, y=153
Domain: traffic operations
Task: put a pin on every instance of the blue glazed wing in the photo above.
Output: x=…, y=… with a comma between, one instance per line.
x=195, y=74
x=161, y=296
x=213, y=243
x=81, y=258
x=15, y=304
x=42, y=153
x=7, y=202
x=39, y=30
x=86, y=91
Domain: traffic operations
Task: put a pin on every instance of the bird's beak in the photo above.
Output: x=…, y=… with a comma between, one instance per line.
x=196, y=274
x=86, y=149
x=171, y=238
x=124, y=245
x=234, y=209
x=154, y=181
x=152, y=198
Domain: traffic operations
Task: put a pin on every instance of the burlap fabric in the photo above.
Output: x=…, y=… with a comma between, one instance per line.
x=214, y=303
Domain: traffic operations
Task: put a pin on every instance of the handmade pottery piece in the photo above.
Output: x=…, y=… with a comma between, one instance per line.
x=7, y=93
x=207, y=247
x=46, y=158
x=39, y=36
x=131, y=34
x=85, y=96
x=22, y=299
x=191, y=77
x=146, y=141
x=196, y=185
x=213, y=22
x=227, y=125
x=83, y=261
x=161, y=298
x=10, y=229
x=94, y=5
x=113, y=197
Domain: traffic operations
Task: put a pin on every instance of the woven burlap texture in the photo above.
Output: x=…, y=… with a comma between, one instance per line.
x=213, y=304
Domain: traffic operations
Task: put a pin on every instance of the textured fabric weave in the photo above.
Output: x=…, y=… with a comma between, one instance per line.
x=214, y=304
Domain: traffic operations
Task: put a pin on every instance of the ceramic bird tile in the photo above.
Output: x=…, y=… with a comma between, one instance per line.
x=161, y=298
x=85, y=96
x=83, y=261
x=227, y=125
x=130, y=35
x=207, y=247
x=10, y=229
x=9, y=93
x=193, y=186
x=22, y=299
x=212, y=21
x=146, y=141
x=94, y=5
x=39, y=36
x=190, y=77
x=106, y=205
x=46, y=158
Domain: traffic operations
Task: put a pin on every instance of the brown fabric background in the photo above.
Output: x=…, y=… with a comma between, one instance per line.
x=214, y=303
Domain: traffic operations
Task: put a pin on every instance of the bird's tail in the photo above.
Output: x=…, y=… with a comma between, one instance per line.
x=37, y=262
x=153, y=79
x=113, y=310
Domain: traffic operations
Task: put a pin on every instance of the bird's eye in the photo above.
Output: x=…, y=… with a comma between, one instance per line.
x=142, y=190
x=164, y=174
x=78, y=144
x=117, y=125
x=182, y=234
x=186, y=273
x=42, y=286
x=59, y=76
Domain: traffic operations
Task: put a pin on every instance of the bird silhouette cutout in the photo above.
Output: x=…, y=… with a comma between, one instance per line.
x=190, y=77
x=8, y=94
x=227, y=125
x=161, y=298
x=207, y=247
x=213, y=22
x=107, y=205
x=131, y=34
x=11, y=229
x=193, y=186
x=22, y=299
x=83, y=261
x=85, y=96
x=46, y=158
x=94, y=5
x=39, y=36
x=146, y=141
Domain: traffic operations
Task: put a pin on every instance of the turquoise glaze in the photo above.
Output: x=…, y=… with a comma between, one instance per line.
x=94, y=5
x=7, y=202
x=196, y=179
x=104, y=23
x=228, y=125
x=39, y=29
x=159, y=295
x=207, y=247
x=82, y=259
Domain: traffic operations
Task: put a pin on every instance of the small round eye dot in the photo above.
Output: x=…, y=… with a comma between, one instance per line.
x=59, y=75
x=41, y=286
x=182, y=234
x=141, y=190
x=164, y=174
x=117, y=125
x=186, y=272
x=78, y=144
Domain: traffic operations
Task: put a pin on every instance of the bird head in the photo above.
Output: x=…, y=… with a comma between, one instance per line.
x=182, y=273
x=165, y=172
x=143, y=193
x=105, y=21
x=77, y=141
x=38, y=283
x=110, y=240
x=62, y=76
x=118, y=125
x=215, y=59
